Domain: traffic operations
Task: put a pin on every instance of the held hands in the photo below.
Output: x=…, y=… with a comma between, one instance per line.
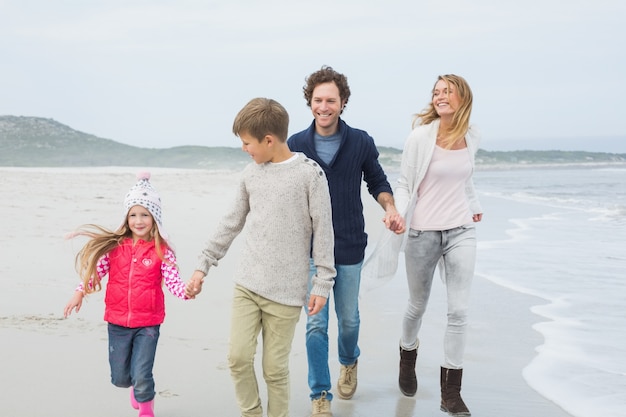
x=194, y=285
x=316, y=303
x=394, y=221
x=75, y=302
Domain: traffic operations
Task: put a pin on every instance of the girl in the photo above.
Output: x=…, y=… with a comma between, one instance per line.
x=138, y=260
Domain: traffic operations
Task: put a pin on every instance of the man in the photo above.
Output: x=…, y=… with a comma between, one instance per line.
x=346, y=155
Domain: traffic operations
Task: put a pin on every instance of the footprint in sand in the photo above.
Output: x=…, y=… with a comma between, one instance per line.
x=167, y=394
x=51, y=324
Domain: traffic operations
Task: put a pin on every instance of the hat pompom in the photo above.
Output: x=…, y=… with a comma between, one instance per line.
x=143, y=175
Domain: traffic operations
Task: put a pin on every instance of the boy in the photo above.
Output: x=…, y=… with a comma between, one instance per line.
x=284, y=200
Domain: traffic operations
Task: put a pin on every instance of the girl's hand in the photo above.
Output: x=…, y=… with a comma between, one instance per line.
x=75, y=303
x=194, y=285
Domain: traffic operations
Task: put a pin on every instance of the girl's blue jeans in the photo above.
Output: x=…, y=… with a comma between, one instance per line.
x=346, y=300
x=131, y=356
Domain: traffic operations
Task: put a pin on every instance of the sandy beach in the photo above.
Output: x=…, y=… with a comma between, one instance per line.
x=58, y=367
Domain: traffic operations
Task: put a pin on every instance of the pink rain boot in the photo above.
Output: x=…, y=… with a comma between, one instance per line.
x=146, y=409
x=133, y=401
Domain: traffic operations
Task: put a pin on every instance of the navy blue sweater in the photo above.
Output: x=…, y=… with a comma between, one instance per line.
x=356, y=159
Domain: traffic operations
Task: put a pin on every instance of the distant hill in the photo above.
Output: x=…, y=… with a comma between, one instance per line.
x=40, y=142
x=609, y=144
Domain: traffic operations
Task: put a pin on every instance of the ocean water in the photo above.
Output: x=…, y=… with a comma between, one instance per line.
x=565, y=243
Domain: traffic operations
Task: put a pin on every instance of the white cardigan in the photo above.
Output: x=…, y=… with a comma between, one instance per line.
x=381, y=264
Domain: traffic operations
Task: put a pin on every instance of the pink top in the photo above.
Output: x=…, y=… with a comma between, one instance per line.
x=442, y=202
x=171, y=276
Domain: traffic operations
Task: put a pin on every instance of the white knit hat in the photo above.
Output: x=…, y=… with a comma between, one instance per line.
x=145, y=195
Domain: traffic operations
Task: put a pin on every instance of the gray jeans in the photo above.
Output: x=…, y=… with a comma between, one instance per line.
x=457, y=250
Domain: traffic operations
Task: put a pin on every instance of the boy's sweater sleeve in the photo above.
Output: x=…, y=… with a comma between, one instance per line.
x=171, y=275
x=228, y=229
x=323, y=238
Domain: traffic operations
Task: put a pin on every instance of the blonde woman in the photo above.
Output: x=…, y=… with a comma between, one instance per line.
x=436, y=195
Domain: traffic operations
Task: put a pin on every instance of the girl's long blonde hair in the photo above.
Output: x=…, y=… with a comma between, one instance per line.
x=102, y=241
x=461, y=117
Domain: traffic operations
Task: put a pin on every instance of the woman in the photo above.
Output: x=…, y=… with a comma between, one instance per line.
x=436, y=194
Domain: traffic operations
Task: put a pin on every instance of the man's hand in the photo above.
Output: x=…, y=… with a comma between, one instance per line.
x=394, y=221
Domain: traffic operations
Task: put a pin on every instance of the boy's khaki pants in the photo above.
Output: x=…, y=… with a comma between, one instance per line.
x=251, y=315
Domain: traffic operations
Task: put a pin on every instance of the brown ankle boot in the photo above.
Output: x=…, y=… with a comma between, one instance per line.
x=407, y=379
x=451, y=401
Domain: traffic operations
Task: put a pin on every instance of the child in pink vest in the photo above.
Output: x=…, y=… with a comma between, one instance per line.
x=137, y=259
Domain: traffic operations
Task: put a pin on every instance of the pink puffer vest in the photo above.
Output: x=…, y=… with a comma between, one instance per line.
x=134, y=295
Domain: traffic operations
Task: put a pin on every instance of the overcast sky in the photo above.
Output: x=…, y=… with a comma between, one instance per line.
x=166, y=73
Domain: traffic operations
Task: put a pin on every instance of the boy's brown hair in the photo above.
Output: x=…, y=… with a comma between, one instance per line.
x=261, y=117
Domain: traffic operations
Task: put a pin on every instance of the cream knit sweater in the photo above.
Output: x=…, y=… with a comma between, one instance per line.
x=287, y=216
